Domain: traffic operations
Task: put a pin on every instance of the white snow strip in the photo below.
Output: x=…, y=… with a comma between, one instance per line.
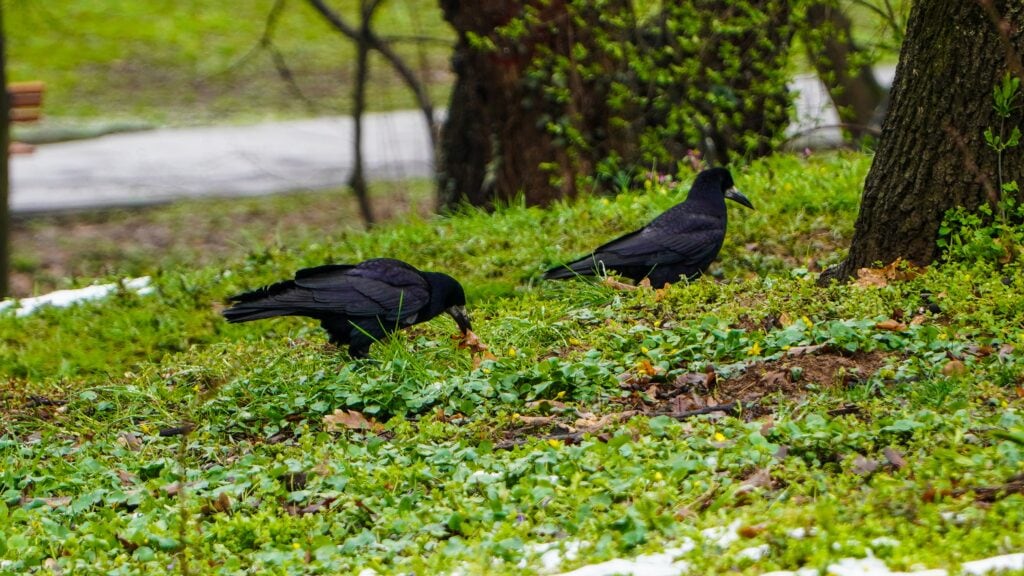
x=664, y=564
x=65, y=298
x=872, y=566
x=994, y=564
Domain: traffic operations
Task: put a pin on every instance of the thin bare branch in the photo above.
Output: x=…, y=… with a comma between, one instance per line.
x=376, y=43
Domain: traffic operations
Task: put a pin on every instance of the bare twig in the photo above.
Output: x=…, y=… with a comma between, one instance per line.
x=862, y=128
x=403, y=70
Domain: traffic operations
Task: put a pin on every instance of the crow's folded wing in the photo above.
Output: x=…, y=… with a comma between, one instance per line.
x=383, y=287
x=689, y=239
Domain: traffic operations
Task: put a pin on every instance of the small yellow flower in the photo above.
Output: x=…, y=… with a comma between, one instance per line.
x=786, y=347
x=719, y=437
x=807, y=321
x=754, y=350
x=296, y=545
x=554, y=443
x=486, y=370
x=658, y=477
x=967, y=277
x=657, y=323
x=512, y=351
x=941, y=336
x=560, y=395
x=644, y=349
x=1005, y=404
x=575, y=341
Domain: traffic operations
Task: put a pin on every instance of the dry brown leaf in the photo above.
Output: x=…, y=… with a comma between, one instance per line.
x=891, y=325
x=613, y=283
x=644, y=282
x=752, y=530
x=1005, y=351
x=864, y=466
x=785, y=320
x=954, y=368
x=471, y=341
x=898, y=271
x=776, y=380
x=535, y=421
x=917, y=320
x=348, y=420
x=54, y=502
x=222, y=503
x=130, y=441
x=686, y=403
x=894, y=457
x=761, y=478
x=127, y=478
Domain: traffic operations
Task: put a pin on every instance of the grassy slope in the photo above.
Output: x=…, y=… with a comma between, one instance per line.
x=185, y=62
x=87, y=483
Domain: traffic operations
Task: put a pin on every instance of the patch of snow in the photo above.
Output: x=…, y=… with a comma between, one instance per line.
x=995, y=563
x=871, y=566
x=553, y=553
x=65, y=298
x=800, y=533
x=723, y=535
x=664, y=564
x=800, y=572
x=754, y=552
x=885, y=542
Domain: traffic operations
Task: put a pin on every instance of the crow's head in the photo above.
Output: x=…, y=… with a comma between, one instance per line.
x=447, y=295
x=719, y=181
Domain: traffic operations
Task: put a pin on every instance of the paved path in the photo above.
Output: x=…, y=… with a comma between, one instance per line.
x=167, y=164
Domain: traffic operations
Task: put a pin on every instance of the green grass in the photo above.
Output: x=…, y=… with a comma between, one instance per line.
x=186, y=62
x=112, y=65
x=91, y=486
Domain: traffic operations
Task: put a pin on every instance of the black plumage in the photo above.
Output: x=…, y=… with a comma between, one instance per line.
x=357, y=304
x=681, y=242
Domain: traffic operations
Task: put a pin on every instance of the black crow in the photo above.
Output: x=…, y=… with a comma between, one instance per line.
x=357, y=304
x=681, y=242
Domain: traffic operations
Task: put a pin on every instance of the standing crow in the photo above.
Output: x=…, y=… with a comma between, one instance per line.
x=681, y=242
x=357, y=304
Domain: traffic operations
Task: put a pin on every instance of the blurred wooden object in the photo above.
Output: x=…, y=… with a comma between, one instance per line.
x=26, y=105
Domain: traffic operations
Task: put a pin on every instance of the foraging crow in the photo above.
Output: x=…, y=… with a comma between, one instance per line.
x=681, y=242
x=357, y=304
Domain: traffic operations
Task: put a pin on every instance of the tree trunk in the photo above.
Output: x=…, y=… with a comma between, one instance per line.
x=496, y=137
x=549, y=91
x=932, y=155
x=5, y=144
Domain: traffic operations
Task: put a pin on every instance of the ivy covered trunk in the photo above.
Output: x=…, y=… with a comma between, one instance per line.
x=555, y=95
x=932, y=155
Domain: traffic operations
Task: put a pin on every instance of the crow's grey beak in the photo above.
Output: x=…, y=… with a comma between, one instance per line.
x=461, y=318
x=738, y=197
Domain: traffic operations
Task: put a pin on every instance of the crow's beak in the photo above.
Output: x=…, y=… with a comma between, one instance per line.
x=738, y=197
x=461, y=318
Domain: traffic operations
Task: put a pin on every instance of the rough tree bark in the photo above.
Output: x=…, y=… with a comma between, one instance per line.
x=932, y=155
x=495, y=138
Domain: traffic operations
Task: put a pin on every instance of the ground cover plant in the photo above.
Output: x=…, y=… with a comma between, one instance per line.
x=750, y=420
